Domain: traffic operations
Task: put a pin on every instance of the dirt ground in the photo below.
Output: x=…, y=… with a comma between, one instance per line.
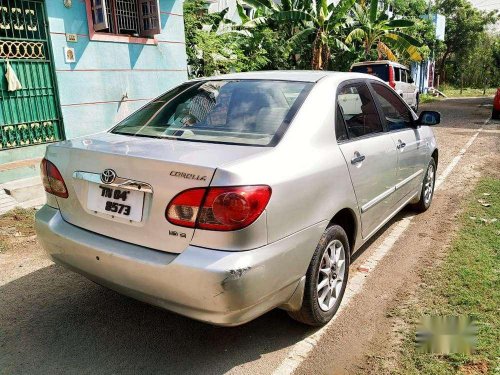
x=366, y=333
x=55, y=321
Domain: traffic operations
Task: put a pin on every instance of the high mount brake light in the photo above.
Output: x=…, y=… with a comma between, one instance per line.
x=53, y=182
x=218, y=208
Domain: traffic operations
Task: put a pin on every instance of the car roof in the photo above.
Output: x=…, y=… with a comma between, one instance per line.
x=288, y=75
x=378, y=62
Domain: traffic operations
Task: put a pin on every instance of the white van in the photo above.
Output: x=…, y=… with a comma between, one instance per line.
x=396, y=75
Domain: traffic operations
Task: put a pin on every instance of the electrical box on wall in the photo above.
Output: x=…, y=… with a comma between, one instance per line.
x=71, y=38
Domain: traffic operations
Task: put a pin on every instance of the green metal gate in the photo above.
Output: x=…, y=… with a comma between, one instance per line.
x=32, y=114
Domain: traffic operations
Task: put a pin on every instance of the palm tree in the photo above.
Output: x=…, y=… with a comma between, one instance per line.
x=375, y=30
x=315, y=18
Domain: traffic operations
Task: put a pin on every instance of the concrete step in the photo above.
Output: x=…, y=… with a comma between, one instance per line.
x=7, y=203
x=34, y=203
x=25, y=190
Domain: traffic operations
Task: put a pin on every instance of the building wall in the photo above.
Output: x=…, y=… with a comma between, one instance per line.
x=422, y=74
x=92, y=88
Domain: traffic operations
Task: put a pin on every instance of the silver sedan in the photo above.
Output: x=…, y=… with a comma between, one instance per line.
x=229, y=196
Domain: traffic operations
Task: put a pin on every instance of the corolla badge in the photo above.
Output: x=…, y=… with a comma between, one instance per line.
x=189, y=176
x=108, y=176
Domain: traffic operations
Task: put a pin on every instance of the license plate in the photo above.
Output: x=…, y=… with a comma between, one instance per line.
x=122, y=203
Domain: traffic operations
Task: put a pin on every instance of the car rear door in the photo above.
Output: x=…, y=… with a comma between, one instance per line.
x=408, y=88
x=411, y=148
x=369, y=152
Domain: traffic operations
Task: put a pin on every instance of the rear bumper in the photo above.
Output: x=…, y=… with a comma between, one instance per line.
x=219, y=287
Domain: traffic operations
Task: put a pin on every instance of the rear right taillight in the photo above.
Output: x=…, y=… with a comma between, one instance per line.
x=496, y=100
x=52, y=179
x=218, y=208
x=392, y=81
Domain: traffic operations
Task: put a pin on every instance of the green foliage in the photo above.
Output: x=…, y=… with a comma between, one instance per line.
x=214, y=46
x=466, y=283
x=318, y=25
x=477, y=67
x=377, y=34
x=305, y=34
x=464, y=26
x=217, y=46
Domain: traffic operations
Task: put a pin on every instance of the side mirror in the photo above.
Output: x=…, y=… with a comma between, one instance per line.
x=410, y=80
x=429, y=118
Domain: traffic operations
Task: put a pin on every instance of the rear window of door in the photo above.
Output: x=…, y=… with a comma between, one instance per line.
x=404, y=76
x=378, y=70
x=397, y=74
x=397, y=115
x=358, y=110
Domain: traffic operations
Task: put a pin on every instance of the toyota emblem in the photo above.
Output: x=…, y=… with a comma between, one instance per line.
x=108, y=176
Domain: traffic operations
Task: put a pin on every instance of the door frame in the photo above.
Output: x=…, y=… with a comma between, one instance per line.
x=44, y=23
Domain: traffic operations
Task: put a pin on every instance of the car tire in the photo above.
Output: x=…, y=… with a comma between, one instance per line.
x=428, y=185
x=495, y=114
x=318, y=308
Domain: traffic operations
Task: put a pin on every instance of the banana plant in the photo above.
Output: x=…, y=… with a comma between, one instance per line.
x=375, y=30
x=310, y=18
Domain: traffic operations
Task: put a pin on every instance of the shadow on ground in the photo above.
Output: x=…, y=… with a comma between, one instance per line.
x=55, y=321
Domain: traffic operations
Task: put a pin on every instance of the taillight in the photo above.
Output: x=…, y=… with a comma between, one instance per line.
x=218, y=208
x=52, y=179
x=183, y=209
x=392, y=82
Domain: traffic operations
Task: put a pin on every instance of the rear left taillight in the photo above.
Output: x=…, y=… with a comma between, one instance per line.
x=218, y=208
x=52, y=179
x=392, y=81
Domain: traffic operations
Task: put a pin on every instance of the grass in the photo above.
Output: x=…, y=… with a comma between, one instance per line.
x=466, y=283
x=16, y=223
x=427, y=98
x=454, y=92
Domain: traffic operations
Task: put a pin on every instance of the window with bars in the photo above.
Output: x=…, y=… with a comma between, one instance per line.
x=126, y=17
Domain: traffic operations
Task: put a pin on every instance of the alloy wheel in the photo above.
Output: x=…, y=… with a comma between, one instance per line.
x=331, y=275
x=429, y=184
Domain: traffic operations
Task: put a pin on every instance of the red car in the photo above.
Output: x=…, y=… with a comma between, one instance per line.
x=496, y=105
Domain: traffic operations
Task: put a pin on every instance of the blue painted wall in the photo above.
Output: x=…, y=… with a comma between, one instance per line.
x=106, y=71
x=92, y=88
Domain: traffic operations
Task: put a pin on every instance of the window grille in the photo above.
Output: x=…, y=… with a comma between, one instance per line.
x=127, y=17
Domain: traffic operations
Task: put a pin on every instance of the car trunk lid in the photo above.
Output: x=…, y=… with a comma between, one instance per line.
x=148, y=174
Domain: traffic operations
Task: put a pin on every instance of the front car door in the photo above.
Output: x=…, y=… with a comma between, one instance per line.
x=411, y=148
x=370, y=154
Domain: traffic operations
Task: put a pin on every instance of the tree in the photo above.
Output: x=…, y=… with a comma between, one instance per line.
x=477, y=67
x=215, y=46
x=324, y=22
x=464, y=24
x=306, y=20
x=382, y=35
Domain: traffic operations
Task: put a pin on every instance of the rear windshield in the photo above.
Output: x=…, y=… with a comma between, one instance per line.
x=248, y=112
x=380, y=70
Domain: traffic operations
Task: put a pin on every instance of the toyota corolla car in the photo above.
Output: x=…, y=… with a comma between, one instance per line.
x=227, y=197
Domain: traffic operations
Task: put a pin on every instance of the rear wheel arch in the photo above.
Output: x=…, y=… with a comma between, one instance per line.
x=346, y=218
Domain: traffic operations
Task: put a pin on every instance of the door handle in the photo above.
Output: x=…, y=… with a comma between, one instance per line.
x=357, y=158
x=401, y=144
